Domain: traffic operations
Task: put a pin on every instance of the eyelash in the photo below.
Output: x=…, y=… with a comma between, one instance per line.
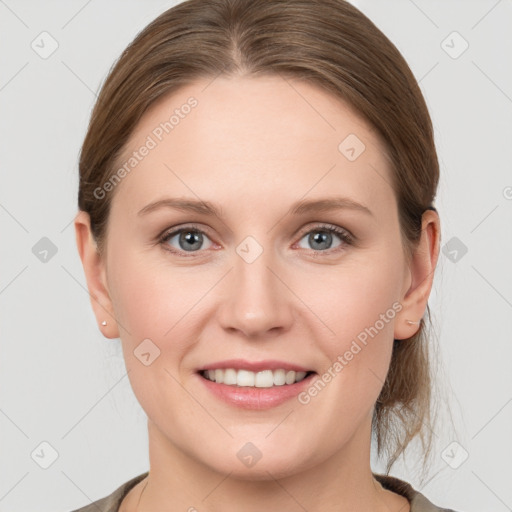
x=346, y=237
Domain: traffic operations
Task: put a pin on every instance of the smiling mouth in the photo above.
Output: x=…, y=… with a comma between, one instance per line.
x=261, y=379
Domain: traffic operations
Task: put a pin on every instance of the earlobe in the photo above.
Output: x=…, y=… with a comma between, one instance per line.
x=95, y=274
x=421, y=271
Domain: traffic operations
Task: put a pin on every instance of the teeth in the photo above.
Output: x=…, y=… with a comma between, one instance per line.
x=229, y=376
x=279, y=377
x=245, y=378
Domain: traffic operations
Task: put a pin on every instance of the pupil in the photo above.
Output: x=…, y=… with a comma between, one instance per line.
x=191, y=238
x=321, y=237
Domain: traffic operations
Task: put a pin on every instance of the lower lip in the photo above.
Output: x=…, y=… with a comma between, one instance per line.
x=245, y=397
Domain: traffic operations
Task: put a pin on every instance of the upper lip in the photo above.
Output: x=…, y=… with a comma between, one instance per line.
x=254, y=366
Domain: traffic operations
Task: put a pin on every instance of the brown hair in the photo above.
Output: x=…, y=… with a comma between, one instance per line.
x=328, y=43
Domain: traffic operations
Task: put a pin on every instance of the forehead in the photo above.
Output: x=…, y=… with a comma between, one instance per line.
x=262, y=134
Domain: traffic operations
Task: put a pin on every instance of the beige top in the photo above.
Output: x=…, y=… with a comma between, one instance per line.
x=418, y=502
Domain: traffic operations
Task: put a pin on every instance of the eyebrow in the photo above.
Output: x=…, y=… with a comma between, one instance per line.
x=328, y=204
x=299, y=208
x=187, y=205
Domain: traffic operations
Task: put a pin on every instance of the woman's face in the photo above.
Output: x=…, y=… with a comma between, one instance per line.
x=265, y=281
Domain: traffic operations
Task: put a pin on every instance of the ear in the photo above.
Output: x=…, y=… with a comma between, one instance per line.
x=95, y=274
x=419, y=276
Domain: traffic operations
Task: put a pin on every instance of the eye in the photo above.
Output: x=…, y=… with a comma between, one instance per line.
x=190, y=239
x=321, y=237
x=187, y=239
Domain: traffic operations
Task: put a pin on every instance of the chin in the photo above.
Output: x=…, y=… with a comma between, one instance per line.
x=249, y=463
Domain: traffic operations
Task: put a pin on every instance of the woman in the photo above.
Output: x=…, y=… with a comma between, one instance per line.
x=257, y=226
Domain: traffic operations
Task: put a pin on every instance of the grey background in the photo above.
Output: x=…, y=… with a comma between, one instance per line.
x=62, y=383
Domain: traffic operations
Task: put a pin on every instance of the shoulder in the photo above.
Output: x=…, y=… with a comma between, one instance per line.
x=419, y=502
x=112, y=502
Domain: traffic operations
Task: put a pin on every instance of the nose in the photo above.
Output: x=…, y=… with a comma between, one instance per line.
x=258, y=302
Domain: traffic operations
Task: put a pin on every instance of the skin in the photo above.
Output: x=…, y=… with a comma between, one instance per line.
x=254, y=147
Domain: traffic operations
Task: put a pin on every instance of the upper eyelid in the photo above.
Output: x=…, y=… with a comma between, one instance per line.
x=177, y=229
x=171, y=232
x=327, y=226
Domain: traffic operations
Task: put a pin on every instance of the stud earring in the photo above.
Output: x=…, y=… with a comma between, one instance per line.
x=104, y=322
x=410, y=322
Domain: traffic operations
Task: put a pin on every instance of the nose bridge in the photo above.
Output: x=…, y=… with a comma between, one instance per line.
x=258, y=302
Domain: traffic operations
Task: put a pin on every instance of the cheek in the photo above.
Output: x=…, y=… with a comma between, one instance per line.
x=354, y=296
x=151, y=301
x=148, y=297
x=155, y=305
x=358, y=304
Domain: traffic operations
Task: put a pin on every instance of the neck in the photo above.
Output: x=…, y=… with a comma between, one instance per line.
x=177, y=481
